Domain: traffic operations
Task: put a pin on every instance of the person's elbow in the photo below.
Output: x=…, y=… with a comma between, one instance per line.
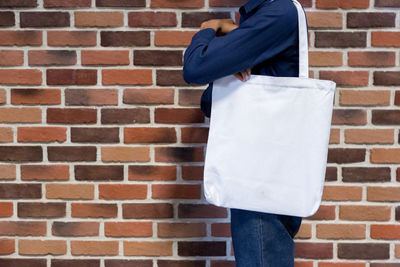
x=191, y=74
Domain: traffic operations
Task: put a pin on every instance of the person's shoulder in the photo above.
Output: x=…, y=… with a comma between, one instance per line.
x=282, y=8
x=281, y=11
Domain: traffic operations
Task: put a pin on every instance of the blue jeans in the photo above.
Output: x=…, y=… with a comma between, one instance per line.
x=263, y=239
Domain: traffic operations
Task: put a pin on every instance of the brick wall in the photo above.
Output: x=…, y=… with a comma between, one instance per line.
x=102, y=141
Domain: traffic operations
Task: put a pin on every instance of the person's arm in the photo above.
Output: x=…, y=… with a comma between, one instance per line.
x=258, y=38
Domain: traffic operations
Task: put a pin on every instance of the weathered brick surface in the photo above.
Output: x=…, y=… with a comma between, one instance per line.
x=103, y=142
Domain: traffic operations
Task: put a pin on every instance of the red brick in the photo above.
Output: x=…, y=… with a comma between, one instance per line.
x=125, y=115
x=52, y=57
x=173, y=38
x=7, y=246
x=173, y=230
x=148, y=96
x=364, y=213
x=317, y=19
x=384, y=231
x=387, y=3
x=346, y=78
x=6, y=209
x=191, y=173
x=324, y=212
x=71, y=76
x=91, y=97
x=201, y=248
x=17, y=114
x=20, y=190
x=94, y=248
x=21, y=76
x=98, y=19
x=8, y=172
x=150, y=172
x=221, y=229
x=363, y=251
x=23, y=228
x=118, y=3
x=385, y=155
x=70, y=191
x=346, y=155
x=342, y=193
x=201, y=211
x=148, y=248
x=325, y=59
x=94, y=210
x=75, y=228
x=124, y=39
x=44, y=19
x=340, y=39
x=383, y=194
x=388, y=78
x=371, y=58
x=35, y=96
x=341, y=231
x=125, y=154
x=157, y=58
x=128, y=229
x=343, y=4
x=147, y=210
x=122, y=191
x=150, y=135
x=42, y=247
x=341, y=264
x=126, y=77
x=41, y=209
x=17, y=4
x=152, y=19
x=385, y=39
x=178, y=115
x=101, y=57
x=11, y=57
x=42, y=134
x=370, y=19
x=179, y=154
x=366, y=174
x=194, y=134
x=66, y=3
x=313, y=250
x=174, y=4
x=71, y=115
x=189, y=97
x=183, y=191
x=21, y=38
x=71, y=153
x=71, y=38
x=95, y=134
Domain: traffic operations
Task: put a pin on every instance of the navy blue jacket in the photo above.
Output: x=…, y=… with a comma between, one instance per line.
x=266, y=40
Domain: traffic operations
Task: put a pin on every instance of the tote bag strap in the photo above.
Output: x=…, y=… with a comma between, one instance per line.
x=303, y=41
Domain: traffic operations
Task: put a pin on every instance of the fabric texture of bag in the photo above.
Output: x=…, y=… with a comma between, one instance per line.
x=268, y=139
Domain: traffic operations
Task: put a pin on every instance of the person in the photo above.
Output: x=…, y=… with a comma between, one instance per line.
x=265, y=43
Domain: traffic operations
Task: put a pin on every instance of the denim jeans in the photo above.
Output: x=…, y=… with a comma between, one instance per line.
x=263, y=239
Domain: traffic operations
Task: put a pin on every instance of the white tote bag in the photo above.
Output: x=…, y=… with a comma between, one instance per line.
x=268, y=140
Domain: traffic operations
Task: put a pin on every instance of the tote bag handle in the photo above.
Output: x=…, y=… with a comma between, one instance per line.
x=303, y=41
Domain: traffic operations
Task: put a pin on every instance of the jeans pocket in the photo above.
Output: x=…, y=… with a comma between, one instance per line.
x=291, y=223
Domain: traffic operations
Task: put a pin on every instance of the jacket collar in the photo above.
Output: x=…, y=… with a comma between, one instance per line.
x=249, y=6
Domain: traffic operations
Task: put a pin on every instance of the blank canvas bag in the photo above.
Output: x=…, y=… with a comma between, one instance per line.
x=268, y=140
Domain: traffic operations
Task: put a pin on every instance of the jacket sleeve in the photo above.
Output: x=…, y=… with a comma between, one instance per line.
x=258, y=38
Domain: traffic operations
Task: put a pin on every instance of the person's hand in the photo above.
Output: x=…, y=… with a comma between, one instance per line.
x=243, y=75
x=222, y=26
x=227, y=25
x=212, y=23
